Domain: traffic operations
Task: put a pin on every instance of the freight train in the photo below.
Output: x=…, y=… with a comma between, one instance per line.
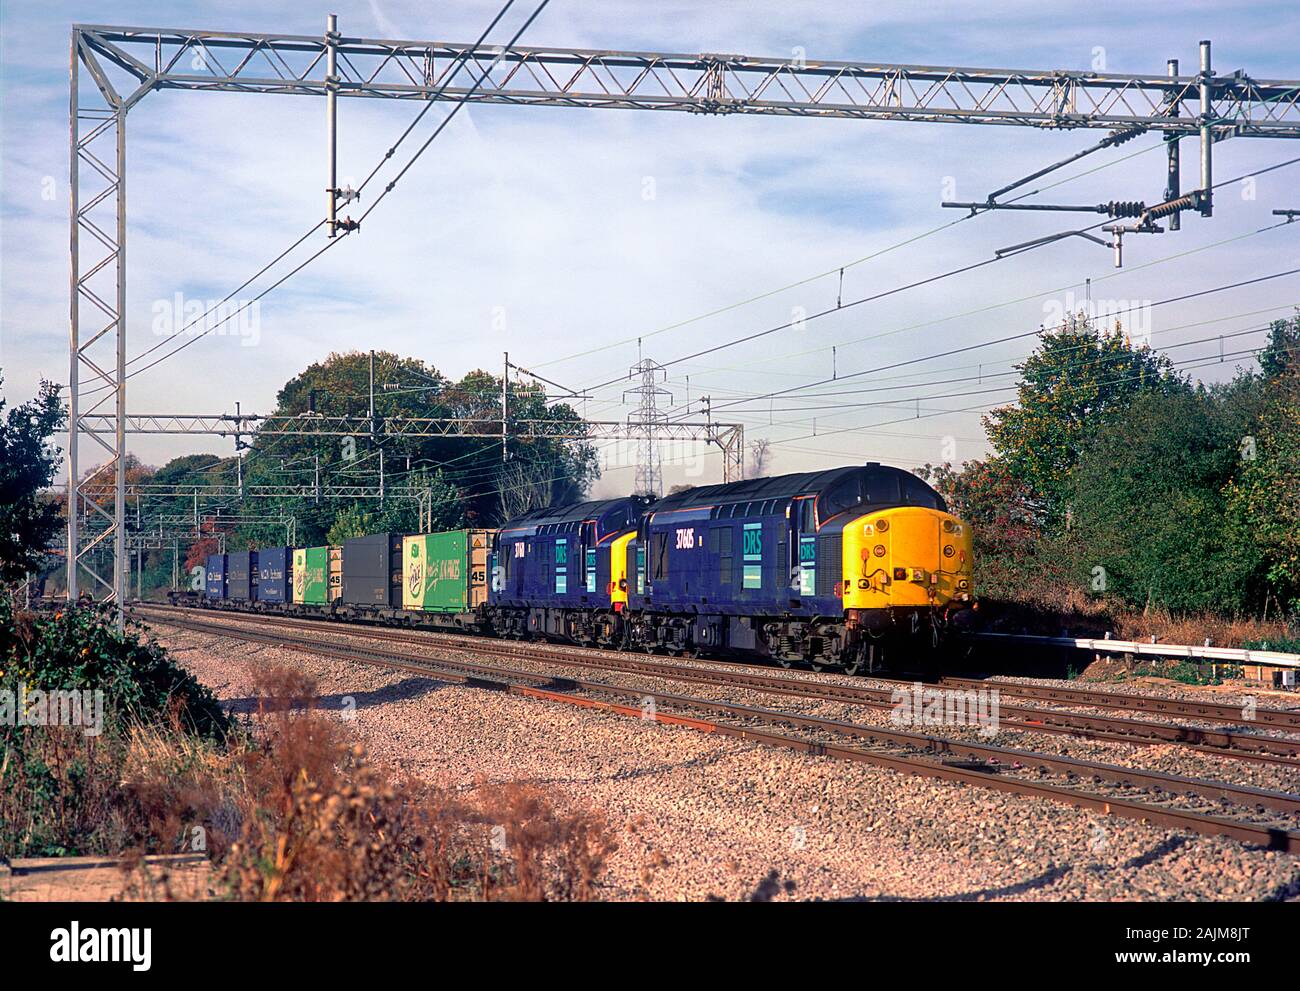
x=834, y=569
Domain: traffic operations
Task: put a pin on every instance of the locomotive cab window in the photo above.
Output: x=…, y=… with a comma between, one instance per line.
x=882, y=488
x=917, y=493
x=841, y=497
x=806, y=523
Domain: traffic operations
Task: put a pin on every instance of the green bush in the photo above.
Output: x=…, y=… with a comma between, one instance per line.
x=1286, y=645
x=69, y=790
x=81, y=648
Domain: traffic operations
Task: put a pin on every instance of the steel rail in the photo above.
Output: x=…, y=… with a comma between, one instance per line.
x=1218, y=743
x=1102, y=699
x=996, y=759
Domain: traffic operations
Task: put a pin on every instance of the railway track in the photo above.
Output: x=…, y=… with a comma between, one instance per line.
x=1251, y=815
x=1217, y=742
x=1283, y=719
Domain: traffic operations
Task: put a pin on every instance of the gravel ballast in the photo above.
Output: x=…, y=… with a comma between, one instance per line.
x=702, y=816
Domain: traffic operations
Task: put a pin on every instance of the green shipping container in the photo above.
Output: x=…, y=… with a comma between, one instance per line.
x=433, y=571
x=445, y=572
x=314, y=580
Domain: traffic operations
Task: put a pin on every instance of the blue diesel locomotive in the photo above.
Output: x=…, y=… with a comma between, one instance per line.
x=828, y=568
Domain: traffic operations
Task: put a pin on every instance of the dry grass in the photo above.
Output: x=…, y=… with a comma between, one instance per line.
x=541, y=854
x=1222, y=631
x=1075, y=613
x=320, y=821
x=293, y=809
x=64, y=792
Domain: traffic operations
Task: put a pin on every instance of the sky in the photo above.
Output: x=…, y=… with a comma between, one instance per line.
x=551, y=233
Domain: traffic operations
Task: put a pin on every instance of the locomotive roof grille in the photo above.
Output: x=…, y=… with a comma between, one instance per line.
x=577, y=513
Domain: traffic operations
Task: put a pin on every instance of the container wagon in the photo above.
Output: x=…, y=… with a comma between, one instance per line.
x=445, y=577
x=241, y=576
x=311, y=579
x=215, y=579
x=274, y=577
x=371, y=573
x=334, y=586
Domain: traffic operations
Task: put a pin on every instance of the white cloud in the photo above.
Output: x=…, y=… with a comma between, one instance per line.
x=541, y=211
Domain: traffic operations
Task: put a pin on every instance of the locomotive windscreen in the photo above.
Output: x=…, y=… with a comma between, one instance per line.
x=877, y=487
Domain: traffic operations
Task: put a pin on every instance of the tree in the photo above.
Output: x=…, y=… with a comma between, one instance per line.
x=760, y=453
x=1263, y=500
x=523, y=486
x=558, y=470
x=351, y=521
x=1149, y=518
x=28, y=462
x=1069, y=387
x=197, y=556
x=189, y=468
x=1282, y=352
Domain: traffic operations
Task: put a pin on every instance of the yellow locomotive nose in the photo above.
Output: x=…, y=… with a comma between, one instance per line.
x=907, y=556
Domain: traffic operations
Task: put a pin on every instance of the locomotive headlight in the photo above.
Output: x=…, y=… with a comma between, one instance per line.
x=948, y=550
x=947, y=526
x=880, y=550
x=882, y=525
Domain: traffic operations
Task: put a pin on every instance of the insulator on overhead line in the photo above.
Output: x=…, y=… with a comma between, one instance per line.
x=1125, y=208
x=1127, y=134
x=1188, y=202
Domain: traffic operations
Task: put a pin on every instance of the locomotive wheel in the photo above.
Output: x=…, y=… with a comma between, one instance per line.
x=868, y=657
